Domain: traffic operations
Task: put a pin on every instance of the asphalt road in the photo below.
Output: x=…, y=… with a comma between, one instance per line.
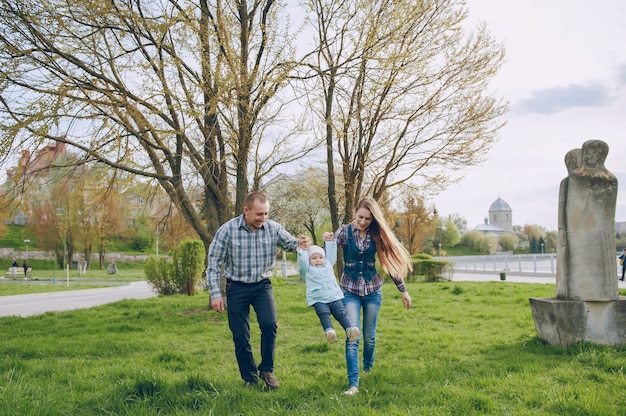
x=38, y=303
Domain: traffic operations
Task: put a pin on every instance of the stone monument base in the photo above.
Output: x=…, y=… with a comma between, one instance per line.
x=566, y=322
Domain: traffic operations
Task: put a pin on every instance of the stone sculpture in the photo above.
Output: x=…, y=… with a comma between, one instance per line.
x=587, y=306
x=573, y=160
x=587, y=214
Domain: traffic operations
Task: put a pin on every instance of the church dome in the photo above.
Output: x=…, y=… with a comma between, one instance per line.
x=500, y=205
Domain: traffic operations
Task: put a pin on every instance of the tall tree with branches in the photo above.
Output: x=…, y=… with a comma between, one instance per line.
x=178, y=92
x=402, y=92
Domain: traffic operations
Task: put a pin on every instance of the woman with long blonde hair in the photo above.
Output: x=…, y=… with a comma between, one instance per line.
x=367, y=235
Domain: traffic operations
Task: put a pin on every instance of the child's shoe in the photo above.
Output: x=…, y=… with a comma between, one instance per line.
x=331, y=336
x=352, y=333
x=351, y=391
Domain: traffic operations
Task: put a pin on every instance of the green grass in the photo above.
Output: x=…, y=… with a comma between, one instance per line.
x=16, y=234
x=42, y=280
x=24, y=288
x=466, y=348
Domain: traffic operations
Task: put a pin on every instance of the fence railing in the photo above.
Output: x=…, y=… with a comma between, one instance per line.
x=544, y=264
x=522, y=263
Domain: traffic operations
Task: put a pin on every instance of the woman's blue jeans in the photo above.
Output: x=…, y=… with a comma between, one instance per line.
x=370, y=305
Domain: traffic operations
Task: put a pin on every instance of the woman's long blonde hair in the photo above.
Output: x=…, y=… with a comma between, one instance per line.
x=394, y=258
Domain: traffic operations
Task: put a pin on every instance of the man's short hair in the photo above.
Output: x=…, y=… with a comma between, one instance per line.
x=255, y=196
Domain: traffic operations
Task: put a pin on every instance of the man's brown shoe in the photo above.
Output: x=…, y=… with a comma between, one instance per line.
x=270, y=379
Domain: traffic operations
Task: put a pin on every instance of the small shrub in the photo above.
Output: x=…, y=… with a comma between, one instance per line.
x=141, y=242
x=182, y=274
x=431, y=270
x=158, y=272
x=188, y=263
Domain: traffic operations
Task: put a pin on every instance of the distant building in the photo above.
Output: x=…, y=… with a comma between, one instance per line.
x=501, y=214
x=37, y=169
x=500, y=220
x=39, y=164
x=487, y=228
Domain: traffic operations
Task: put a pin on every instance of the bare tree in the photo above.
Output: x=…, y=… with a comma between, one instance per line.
x=177, y=92
x=191, y=95
x=402, y=92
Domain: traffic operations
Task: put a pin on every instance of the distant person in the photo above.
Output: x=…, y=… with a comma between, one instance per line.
x=14, y=267
x=322, y=290
x=25, y=266
x=366, y=236
x=622, y=263
x=244, y=251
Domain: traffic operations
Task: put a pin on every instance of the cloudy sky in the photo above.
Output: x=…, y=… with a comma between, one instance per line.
x=565, y=81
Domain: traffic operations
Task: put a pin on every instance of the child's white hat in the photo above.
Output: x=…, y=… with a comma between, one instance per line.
x=316, y=249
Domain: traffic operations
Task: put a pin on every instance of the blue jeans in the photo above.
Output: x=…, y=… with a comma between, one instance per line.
x=371, y=307
x=261, y=297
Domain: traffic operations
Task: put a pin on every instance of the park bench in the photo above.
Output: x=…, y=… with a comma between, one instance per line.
x=19, y=272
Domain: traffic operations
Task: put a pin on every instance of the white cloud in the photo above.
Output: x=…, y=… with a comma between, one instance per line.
x=555, y=99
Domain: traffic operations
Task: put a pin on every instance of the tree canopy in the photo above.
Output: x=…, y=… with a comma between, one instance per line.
x=205, y=99
x=402, y=92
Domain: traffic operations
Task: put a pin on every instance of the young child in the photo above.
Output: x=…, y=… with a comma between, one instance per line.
x=322, y=290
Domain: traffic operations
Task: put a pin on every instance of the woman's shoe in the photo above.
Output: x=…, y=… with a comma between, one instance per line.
x=352, y=333
x=351, y=391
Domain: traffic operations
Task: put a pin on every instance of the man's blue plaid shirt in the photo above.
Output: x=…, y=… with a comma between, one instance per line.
x=245, y=255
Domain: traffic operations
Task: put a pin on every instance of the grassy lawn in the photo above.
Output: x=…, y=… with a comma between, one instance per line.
x=8, y=289
x=466, y=348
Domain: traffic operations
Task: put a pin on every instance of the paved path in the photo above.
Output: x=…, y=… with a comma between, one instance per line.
x=510, y=277
x=38, y=303
x=515, y=277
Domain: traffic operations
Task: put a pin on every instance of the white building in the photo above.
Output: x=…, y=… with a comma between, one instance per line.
x=500, y=219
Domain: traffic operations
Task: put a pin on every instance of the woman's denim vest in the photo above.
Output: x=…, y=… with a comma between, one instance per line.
x=359, y=263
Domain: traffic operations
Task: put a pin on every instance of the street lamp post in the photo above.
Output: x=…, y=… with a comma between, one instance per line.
x=542, y=248
x=26, y=242
x=439, y=249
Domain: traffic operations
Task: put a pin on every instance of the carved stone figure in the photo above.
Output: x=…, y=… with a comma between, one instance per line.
x=586, y=227
x=82, y=267
x=112, y=268
x=573, y=160
x=587, y=306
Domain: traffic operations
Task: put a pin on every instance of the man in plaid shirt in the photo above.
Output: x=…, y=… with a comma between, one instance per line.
x=244, y=251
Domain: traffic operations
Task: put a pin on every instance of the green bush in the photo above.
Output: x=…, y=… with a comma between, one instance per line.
x=425, y=269
x=188, y=264
x=158, y=271
x=141, y=242
x=182, y=274
x=430, y=270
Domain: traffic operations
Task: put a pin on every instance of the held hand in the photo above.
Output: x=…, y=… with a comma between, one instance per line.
x=304, y=242
x=406, y=299
x=328, y=236
x=217, y=305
